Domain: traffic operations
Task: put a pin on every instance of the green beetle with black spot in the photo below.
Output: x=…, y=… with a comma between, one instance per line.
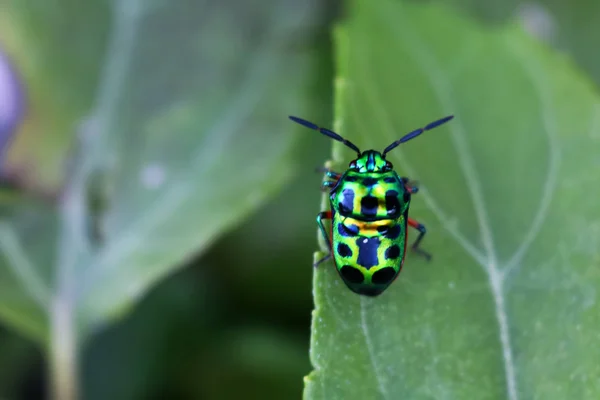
x=369, y=216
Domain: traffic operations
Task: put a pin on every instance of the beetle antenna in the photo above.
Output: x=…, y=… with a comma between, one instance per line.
x=326, y=132
x=416, y=133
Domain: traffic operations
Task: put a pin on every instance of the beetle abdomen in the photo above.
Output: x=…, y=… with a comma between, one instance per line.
x=368, y=254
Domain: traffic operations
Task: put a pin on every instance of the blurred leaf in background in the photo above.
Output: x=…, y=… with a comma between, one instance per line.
x=213, y=145
x=187, y=135
x=507, y=308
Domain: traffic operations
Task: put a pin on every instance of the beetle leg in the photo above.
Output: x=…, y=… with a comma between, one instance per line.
x=330, y=174
x=320, y=217
x=327, y=185
x=415, y=246
x=411, y=186
x=327, y=257
x=412, y=189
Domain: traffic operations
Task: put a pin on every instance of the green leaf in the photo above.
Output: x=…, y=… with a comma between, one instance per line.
x=210, y=146
x=187, y=135
x=507, y=308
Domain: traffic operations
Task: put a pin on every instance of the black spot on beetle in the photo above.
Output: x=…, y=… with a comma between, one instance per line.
x=367, y=251
x=392, y=252
x=369, y=181
x=352, y=274
x=344, y=250
x=389, y=179
x=393, y=232
x=383, y=276
x=348, y=230
x=368, y=206
x=392, y=204
x=350, y=178
x=347, y=203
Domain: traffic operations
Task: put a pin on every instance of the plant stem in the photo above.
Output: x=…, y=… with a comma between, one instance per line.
x=63, y=351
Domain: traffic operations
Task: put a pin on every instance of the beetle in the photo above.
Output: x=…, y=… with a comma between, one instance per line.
x=369, y=205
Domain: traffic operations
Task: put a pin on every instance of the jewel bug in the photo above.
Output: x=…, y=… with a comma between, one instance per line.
x=369, y=205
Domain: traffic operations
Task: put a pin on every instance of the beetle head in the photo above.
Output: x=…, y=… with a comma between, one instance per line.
x=370, y=161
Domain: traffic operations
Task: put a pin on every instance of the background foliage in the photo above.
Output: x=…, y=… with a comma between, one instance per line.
x=155, y=193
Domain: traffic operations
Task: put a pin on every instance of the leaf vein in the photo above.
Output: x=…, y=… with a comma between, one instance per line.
x=431, y=203
x=553, y=164
x=442, y=91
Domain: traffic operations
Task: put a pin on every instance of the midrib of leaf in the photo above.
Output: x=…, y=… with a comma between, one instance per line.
x=496, y=272
x=488, y=259
x=442, y=90
x=74, y=249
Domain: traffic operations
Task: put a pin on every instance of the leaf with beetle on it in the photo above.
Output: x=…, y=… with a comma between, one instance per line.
x=507, y=307
x=186, y=137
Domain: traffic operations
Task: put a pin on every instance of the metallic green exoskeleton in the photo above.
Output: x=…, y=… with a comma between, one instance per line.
x=369, y=216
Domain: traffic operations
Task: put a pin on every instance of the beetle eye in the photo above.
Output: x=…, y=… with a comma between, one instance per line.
x=352, y=164
x=388, y=165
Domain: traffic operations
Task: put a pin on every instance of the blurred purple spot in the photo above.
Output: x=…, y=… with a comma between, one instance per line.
x=11, y=104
